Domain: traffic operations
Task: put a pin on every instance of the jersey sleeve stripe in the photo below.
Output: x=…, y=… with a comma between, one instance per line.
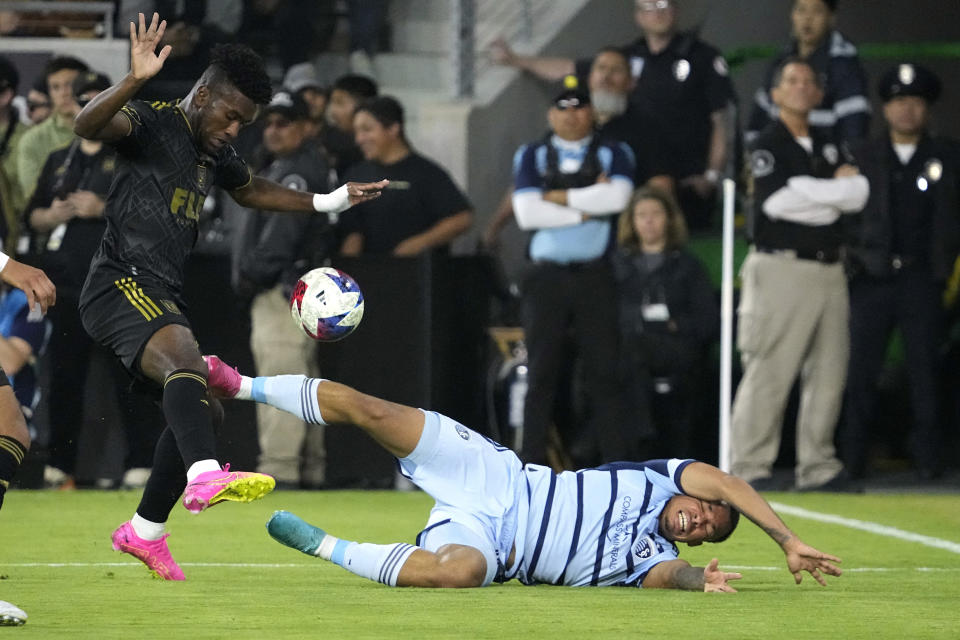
x=603, y=530
x=543, y=525
x=576, y=528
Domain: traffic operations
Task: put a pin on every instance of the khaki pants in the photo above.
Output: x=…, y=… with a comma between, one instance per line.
x=280, y=348
x=793, y=320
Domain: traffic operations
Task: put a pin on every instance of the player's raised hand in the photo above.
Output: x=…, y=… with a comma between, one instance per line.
x=802, y=557
x=715, y=581
x=362, y=191
x=144, y=63
x=32, y=281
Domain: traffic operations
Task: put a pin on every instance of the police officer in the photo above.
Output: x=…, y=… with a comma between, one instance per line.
x=568, y=187
x=278, y=247
x=678, y=103
x=907, y=243
x=793, y=315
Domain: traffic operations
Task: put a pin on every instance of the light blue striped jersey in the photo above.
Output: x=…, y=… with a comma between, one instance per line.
x=596, y=527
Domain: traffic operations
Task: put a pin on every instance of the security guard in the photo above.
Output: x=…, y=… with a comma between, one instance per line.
x=277, y=248
x=844, y=112
x=906, y=246
x=567, y=189
x=793, y=315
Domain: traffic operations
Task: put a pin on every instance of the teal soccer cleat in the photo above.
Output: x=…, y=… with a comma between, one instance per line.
x=295, y=532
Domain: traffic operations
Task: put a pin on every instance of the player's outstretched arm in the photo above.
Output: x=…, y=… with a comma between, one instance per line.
x=265, y=194
x=678, y=574
x=32, y=281
x=101, y=119
x=707, y=482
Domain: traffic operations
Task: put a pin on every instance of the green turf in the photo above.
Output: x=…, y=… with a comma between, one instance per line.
x=882, y=595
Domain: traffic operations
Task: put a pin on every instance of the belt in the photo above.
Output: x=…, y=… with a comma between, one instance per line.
x=826, y=256
x=573, y=266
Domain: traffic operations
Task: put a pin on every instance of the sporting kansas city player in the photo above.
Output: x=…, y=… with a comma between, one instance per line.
x=495, y=519
x=168, y=158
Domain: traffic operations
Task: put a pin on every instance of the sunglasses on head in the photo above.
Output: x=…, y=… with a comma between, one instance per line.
x=569, y=103
x=654, y=5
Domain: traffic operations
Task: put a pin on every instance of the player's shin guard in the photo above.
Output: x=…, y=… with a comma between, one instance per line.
x=187, y=411
x=294, y=394
x=12, y=453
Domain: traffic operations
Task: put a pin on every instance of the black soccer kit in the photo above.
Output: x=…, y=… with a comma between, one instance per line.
x=135, y=281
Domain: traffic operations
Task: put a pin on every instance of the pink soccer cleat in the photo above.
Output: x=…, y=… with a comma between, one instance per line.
x=222, y=379
x=153, y=553
x=211, y=487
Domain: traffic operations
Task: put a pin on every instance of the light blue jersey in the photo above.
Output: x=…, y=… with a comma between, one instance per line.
x=597, y=527
x=594, y=527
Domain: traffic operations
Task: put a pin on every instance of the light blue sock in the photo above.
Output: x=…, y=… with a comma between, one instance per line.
x=294, y=394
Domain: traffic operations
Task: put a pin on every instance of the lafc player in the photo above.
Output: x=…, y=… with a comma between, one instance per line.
x=168, y=158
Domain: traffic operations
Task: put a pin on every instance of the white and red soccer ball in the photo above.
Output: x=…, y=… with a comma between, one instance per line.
x=326, y=304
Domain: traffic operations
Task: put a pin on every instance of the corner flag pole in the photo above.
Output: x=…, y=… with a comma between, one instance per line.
x=726, y=322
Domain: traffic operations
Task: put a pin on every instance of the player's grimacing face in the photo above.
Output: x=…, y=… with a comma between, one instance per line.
x=222, y=114
x=692, y=520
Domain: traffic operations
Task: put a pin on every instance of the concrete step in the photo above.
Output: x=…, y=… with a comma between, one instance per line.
x=421, y=36
x=423, y=71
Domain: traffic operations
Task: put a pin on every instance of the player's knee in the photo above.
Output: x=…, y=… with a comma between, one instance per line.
x=461, y=569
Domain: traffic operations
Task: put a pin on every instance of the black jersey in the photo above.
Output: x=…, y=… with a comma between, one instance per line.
x=155, y=201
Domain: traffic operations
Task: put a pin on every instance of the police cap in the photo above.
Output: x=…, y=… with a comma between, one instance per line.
x=909, y=80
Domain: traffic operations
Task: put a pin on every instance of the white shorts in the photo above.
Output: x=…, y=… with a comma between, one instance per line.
x=475, y=482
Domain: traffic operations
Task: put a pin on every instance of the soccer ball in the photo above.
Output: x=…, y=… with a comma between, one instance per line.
x=326, y=304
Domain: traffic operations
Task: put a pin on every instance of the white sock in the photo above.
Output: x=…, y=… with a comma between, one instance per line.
x=294, y=394
x=146, y=529
x=379, y=562
x=201, y=466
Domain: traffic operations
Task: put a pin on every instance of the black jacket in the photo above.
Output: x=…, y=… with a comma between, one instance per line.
x=936, y=167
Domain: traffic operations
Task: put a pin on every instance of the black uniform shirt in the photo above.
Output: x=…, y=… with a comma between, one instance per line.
x=675, y=92
x=156, y=199
x=911, y=204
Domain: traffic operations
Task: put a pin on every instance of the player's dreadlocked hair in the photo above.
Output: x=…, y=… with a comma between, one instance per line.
x=242, y=67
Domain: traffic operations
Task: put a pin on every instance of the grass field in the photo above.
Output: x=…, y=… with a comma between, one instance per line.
x=56, y=563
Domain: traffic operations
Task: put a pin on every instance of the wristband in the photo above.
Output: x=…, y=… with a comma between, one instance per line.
x=334, y=202
x=4, y=259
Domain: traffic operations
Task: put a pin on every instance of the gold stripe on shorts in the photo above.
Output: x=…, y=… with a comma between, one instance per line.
x=186, y=374
x=140, y=301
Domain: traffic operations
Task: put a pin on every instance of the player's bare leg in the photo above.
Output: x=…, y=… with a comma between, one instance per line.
x=396, y=565
x=397, y=428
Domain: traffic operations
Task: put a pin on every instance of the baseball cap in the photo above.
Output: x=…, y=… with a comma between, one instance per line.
x=90, y=81
x=290, y=105
x=301, y=76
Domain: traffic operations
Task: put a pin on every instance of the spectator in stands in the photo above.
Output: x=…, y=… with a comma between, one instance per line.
x=39, y=106
x=421, y=210
x=668, y=317
x=681, y=91
x=794, y=309
x=278, y=248
x=301, y=79
x=906, y=249
x=568, y=186
x=66, y=213
x=57, y=130
x=844, y=112
x=346, y=94
x=11, y=132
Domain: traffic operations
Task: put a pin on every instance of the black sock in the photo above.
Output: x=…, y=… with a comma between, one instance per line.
x=168, y=479
x=187, y=412
x=12, y=452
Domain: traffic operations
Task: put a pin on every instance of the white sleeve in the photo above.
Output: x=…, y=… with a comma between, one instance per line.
x=602, y=198
x=848, y=194
x=791, y=205
x=533, y=212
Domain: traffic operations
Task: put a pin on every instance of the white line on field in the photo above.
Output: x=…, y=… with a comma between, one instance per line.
x=870, y=527
x=270, y=565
